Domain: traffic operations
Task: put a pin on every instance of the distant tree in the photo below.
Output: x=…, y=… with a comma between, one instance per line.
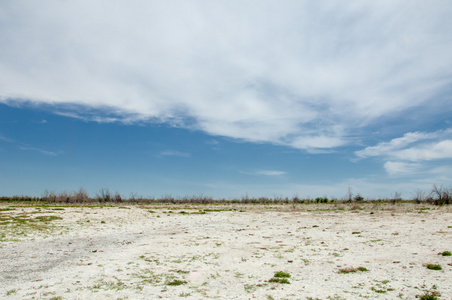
x=419, y=196
x=443, y=195
x=104, y=195
x=349, y=194
x=81, y=196
x=358, y=198
x=117, y=197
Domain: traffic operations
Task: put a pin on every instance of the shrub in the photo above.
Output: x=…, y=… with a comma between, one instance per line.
x=446, y=253
x=279, y=280
x=428, y=295
x=282, y=275
x=352, y=270
x=434, y=267
x=176, y=282
x=358, y=198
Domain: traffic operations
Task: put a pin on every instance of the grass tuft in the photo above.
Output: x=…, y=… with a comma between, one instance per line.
x=352, y=270
x=434, y=267
x=282, y=275
x=429, y=295
x=176, y=282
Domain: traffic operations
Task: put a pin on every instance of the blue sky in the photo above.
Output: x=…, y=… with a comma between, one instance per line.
x=226, y=98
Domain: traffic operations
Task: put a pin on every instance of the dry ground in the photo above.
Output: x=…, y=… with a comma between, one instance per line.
x=225, y=252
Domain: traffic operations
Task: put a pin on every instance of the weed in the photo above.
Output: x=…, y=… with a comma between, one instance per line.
x=6, y=209
x=282, y=275
x=176, y=282
x=429, y=295
x=279, y=280
x=10, y=292
x=434, y=267
x=352, y=270
x=184, y=294
x=446, y=253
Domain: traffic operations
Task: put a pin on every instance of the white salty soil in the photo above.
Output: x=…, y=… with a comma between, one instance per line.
x=136, y=252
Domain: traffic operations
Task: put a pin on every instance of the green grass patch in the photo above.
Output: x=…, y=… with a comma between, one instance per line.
x=279, y=280
x=282, y=275
x=352, y=270
x=446, y=253
x=429, y=295
x=434, y=267
x=176, y=282
x=7, y=209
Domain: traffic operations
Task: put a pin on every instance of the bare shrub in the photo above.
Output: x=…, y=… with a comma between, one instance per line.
x=104, y=195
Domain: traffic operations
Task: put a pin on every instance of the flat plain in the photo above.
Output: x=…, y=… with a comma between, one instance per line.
x=227, y=251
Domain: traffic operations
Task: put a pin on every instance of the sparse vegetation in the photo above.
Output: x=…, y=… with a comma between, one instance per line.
x=446, y=253
x=280, y=277
x=352, y=270
x=434, y=267
x=176, y=282
x=429, y=295
x=439, y=195
x=11, y=292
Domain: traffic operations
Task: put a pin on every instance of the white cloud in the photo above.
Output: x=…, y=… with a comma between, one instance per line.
x=26, y=148
x=431, y=151
x=174, y=153
x=270, y=172
x=6, y=139
x=413, y=147
x=302, y=74
x=392, y=148
x=264, y=172
x=400, y=168
x=412, y=153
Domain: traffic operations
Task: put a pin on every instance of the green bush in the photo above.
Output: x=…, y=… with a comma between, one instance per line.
x=434, y=267
x=282, y=275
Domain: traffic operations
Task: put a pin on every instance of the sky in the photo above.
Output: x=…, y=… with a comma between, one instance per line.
x=226, y=98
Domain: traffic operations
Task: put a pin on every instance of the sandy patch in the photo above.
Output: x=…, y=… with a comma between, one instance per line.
x=185, y=252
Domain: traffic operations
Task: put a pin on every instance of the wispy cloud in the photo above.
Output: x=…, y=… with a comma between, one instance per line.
x=304, y=74
x=26, y=147
x=407, y=155
x=88, y=118
x=6, y=139
x=413, y=146
x=396, y=147
x=401, y=168
x=264, y=172
x=270, y=172
x=175, y=153
x=50, y=153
